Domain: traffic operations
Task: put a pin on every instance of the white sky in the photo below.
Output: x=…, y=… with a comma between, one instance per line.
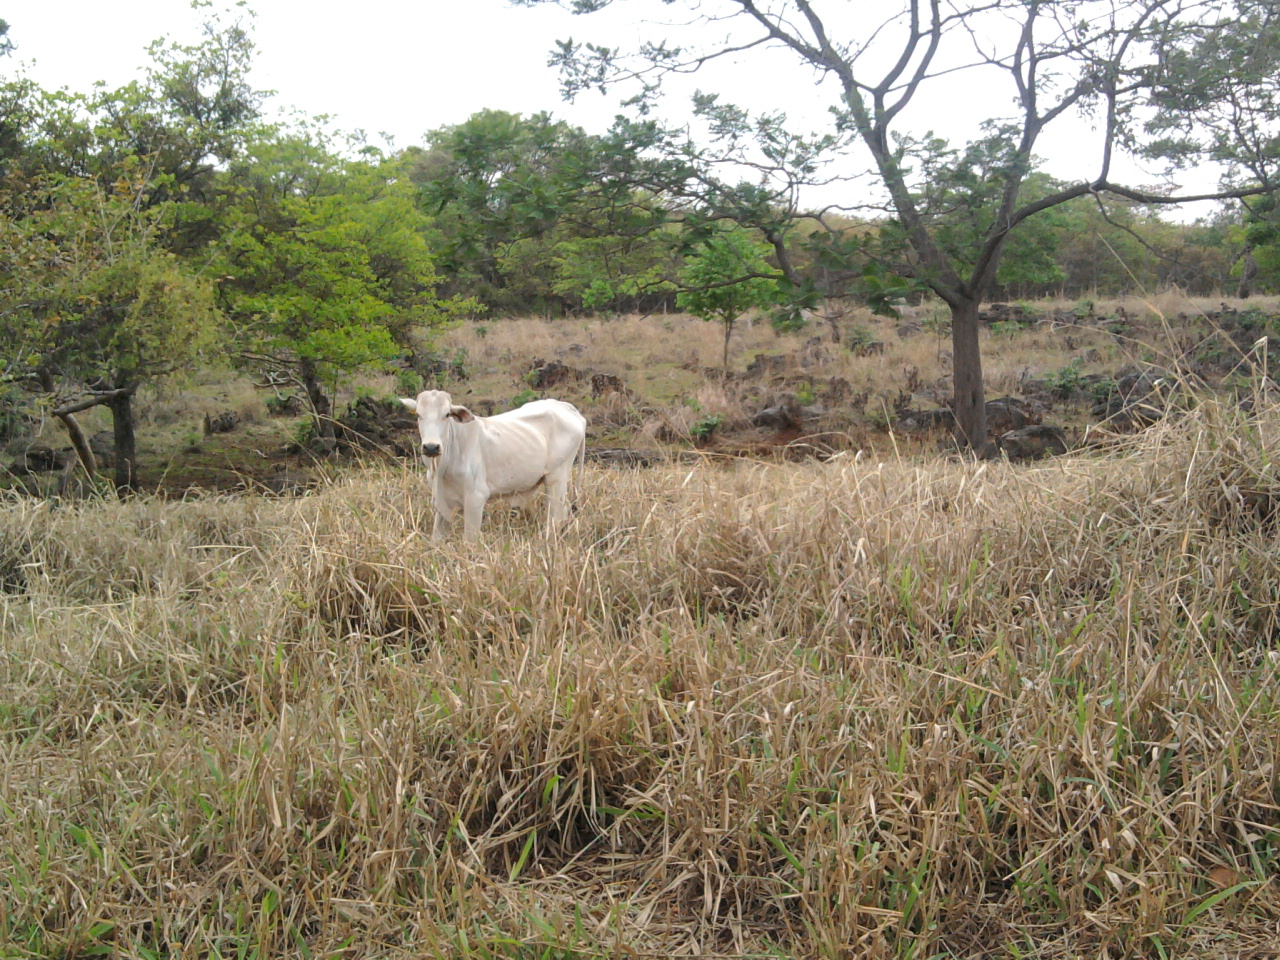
x=379, y=65
x=405, y=68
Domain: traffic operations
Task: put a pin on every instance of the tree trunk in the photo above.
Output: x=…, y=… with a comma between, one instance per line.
x=78, y=440
x=728, y=332
x=971, y=406
x=833, y=321
x=126, y=445
x=1248, y=273
x=319, y=400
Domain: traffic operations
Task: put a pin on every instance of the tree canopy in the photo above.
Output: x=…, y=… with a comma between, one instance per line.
x=144, y=224
x=952, y=209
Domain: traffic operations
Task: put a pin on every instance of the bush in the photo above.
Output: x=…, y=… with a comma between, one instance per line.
x=705, y=426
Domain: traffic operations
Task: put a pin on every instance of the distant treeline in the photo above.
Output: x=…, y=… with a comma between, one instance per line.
x=145, y=227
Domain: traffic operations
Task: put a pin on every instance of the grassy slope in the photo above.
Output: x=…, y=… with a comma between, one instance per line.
x=842, y=709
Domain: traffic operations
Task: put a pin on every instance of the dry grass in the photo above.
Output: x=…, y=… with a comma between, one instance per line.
x=850, y=709
x=670, y=362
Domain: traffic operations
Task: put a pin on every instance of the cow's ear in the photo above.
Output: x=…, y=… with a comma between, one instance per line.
x=462, y=414
x=411, y=404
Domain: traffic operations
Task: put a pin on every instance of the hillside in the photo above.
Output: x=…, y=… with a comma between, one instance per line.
x=652, y=386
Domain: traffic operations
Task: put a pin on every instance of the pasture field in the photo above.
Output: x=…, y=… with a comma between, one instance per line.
x=853, y=708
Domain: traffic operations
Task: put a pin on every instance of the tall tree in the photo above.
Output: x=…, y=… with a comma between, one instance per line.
x=326, y=264
x=533, y=212
x=1111, y=60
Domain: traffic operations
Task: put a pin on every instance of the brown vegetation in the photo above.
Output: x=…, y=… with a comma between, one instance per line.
x=838, y=709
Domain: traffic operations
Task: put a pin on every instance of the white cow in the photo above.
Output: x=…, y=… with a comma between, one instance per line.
x=510, y=454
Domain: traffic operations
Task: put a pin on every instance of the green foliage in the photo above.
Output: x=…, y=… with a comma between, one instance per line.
x=304, y=434
x=89, y=292
x=533, y=212
x=884, y=292
x=328, y=263
x=788, y=318
x=1102, y=390
x=279, y=404
x=523, y=397
x=705, y=426
x=1066, y=380
x=408, y=383
x=726, y=276
x=857, y=337
x=938, y=324
x=1007, y=328
x=1256, y=321
x=1216, y=91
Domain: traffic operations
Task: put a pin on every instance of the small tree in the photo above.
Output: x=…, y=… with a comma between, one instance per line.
x=90, y=297
x=726, y=277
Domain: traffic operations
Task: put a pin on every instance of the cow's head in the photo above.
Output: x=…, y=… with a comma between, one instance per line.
x=435, y=410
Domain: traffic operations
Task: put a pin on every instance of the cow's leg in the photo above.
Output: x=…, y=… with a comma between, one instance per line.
x=558, y=496
x=473, y=512
x=446, y=509
x=443, y=522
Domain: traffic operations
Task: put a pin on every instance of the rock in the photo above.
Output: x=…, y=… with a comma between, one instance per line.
x=603, y=383
x=1033, y=442
x=103, y=445
x=783, y=416
x=918, y=421
x=620, y=457
x=1003, y=312
x=40, y=459
x=1009, y=413
x=223, y=422
x=370, y=424
x=1003, y=414
x=289, y=483
x=813, y=352
x=545, y=374
x=767, y=364
x=1139, y=399
x=284, y=405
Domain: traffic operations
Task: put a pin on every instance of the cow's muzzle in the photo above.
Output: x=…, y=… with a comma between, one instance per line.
x=431, y=449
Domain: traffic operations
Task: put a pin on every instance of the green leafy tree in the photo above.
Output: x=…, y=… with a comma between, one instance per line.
x=102, y=192
x=726, y=276
x=170, y=133
x=90, y=297
x=490, y=183
x=1105, y=59
x=1259, y=257
x=534, y=213
x=327, y=265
